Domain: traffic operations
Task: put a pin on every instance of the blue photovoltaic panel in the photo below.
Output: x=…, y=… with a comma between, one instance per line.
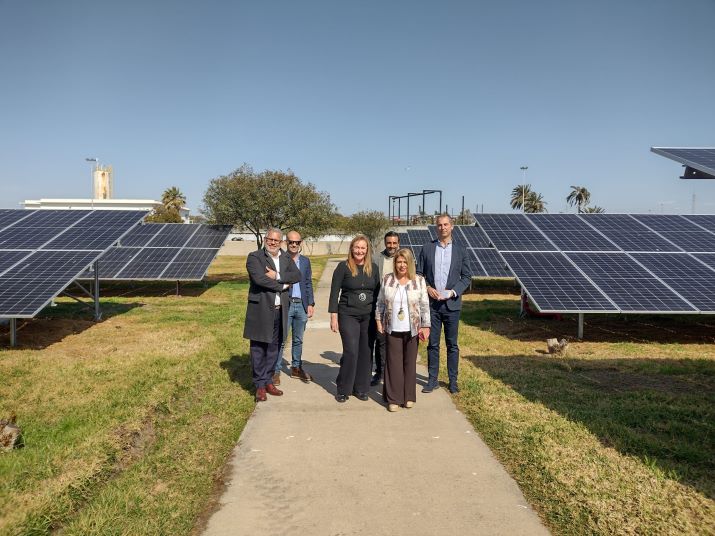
x=494, y=265
x=419, y=237
x=631, y=287
x=416, y=250
x=26, y=236
x=9, y=257
x=112, y=262
x=10, y=216
x=570, y=233
x=707, y=258
x=141, y=235
x=627, y=233
x=701, y=158
x=554, y=284
x=432, y=230
x=149, y=263
x=706, y=221
x=31, y=284
x=209, y=236
x=680, y=231
x=404, y=239
x=474, y=237
x=475, y=267
x=513, y=232
x=189, y=264
x=684, y=274
x=173, y=235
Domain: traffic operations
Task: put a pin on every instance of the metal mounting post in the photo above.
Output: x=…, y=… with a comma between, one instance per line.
x=178, y=288
x=95, y=293
x=580, y=326
x=13, y=332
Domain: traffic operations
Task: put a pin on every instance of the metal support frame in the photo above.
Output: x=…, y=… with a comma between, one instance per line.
x=178, y=287
x=92, y=292
x=423, y=193
x=13, y=332
x=580, y=326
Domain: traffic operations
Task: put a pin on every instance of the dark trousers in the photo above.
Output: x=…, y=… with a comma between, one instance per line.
x=356, y=362
x=443, y=317
x=400, y=368
x=264, y=354
x=379, y=355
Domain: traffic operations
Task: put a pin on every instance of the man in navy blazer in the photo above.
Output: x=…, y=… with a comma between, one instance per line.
x=301, y=309
x=446, y=271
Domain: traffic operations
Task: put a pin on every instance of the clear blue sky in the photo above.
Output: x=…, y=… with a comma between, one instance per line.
x=363, y=99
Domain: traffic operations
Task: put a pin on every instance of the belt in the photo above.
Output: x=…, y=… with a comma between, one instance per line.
x=297, y=300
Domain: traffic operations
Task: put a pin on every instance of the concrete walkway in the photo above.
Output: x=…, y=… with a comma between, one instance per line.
x=306, y=465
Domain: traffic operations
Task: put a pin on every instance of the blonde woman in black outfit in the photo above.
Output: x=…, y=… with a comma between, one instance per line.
x=356, y=283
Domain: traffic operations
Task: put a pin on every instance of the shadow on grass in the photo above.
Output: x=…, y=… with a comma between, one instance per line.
x=238, y=368
x=55, y=323
x=661, y=411
x=502, y=317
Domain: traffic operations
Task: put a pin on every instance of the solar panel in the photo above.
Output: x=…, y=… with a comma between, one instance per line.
x=416, y=250
x=513, y=232
x=111, y=263
x=474, y=237
x=630, y=286
x=173, y=235
x=149, y=263
x=493, y=264
x=706, y=221
x=432, y=230
x=140, y=235
x=475, y=267
x=189, y=264
x=57, y=246
x=700, y=158
x=209, y=236
x=419, y=237
x=676, y=229
x=570, y=233
x=555, y=285
x=628, y=233
x=685, y=274
x=404, y=239
x=707, y=258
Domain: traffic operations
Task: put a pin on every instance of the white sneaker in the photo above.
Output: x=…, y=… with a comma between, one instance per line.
x=409, y=404
x=392, y=407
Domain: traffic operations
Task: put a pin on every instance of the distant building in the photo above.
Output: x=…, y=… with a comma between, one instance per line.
x=100, y=204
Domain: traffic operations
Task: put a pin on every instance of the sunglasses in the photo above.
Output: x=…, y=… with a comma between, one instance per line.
x=294, y=242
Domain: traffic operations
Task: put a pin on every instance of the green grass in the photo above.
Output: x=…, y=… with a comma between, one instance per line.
x=127, y=423
x=617, y=437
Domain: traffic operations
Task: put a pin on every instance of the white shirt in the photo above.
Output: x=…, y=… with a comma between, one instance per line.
x=400, y=300
x=277, y=262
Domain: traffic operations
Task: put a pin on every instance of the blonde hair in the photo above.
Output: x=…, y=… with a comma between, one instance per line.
x=406, y=254
x=367, y=268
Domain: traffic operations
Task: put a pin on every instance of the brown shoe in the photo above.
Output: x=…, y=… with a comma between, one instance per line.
x=277, y=378
x=261, y=394
x=298, y=372
x=273, y=390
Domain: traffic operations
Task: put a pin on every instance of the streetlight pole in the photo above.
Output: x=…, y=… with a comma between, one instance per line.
x=523, y=189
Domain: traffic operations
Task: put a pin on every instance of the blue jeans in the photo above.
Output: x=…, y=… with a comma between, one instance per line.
x=297, y=319
x=442, y=317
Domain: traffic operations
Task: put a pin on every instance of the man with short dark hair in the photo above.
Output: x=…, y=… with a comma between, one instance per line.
x=444, y=267
x=271, y=274
x=300, y=310
x=384, y=263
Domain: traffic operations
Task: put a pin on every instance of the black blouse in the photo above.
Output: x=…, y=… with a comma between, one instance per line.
x=354, y=295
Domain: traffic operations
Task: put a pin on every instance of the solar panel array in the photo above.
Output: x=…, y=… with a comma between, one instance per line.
x=700, y=158
x=483, y=261
x=43, y=251
x=163, y=251
x=640, y=263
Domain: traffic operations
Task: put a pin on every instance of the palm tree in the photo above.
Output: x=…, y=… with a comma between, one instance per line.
x=594, y=210
x=534, y=203
x=172, y=198
x=579, y=196
x=519, y=195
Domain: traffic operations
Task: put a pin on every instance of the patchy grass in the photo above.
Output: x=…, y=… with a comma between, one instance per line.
x=127, y=423
x=616, y=437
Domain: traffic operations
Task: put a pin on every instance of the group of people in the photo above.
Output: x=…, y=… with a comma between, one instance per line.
x=381, y=309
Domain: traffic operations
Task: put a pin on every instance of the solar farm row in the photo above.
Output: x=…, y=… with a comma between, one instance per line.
x=43, y=251
x=484, y=260
x=168, y=251
x=609, y=262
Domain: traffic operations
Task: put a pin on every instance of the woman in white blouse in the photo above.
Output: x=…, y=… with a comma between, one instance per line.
x=403, y=315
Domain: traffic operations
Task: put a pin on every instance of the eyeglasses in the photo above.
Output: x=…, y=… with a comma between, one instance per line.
x=273, y=239
x=294, y=242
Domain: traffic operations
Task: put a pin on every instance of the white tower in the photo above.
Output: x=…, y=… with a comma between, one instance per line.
x=103, y=182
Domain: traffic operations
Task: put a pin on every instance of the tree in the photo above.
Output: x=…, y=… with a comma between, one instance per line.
x=593, y=210
x=534, y=203
x=579, y=196
x=371, y=223
x=162, y=214
x=257, y=201
x=519, y=195
x=173, y=198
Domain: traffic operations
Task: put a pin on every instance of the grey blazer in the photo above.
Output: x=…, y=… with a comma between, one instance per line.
x=262, y=294
x=459, y=275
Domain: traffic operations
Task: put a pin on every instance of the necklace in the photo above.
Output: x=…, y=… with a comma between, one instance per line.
x=401, y=312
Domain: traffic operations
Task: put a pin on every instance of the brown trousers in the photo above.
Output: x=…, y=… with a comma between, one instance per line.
x=400, y=368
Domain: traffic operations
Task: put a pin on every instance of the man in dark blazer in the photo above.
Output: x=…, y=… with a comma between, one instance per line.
x=300, y=310
x=446, y=271
x=272, y=273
